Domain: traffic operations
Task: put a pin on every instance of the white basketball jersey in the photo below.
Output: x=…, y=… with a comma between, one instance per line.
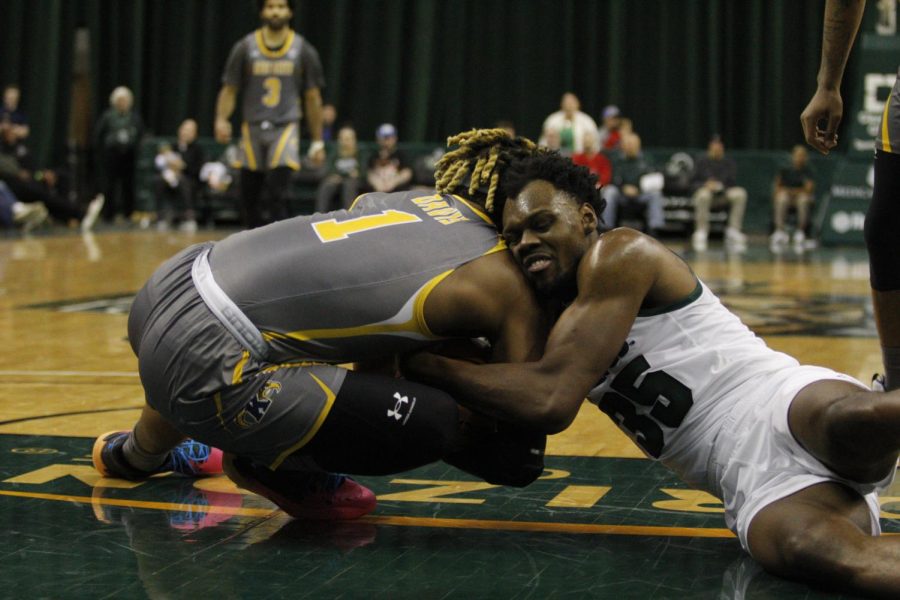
x=682, y=370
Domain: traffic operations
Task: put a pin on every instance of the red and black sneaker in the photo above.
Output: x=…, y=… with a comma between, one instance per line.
x=303, y=494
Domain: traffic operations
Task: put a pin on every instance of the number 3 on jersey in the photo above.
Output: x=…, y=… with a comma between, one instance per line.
x=273, y=92
x=669, y=401
x=333, y=230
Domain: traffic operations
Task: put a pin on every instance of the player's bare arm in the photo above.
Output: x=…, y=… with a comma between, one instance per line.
x=312, y=108
x=489, y=297
x=224, y=108
x=585, y=340
x=842, y=19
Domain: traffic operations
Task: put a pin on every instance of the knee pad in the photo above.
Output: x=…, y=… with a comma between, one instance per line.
x=882, y=223
x=501, y=455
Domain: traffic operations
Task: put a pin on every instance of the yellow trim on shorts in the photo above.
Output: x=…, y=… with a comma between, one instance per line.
x=248, y=146
x=217, y=398
x=885, y=130
x=292, y=164
x=282, y=142
x=261, y=44
x=323, y=414
x=238, y=373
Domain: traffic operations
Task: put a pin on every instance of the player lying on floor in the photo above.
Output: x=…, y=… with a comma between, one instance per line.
x=795, y=452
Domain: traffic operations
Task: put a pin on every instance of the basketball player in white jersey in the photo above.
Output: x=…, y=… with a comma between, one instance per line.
x=795, y=452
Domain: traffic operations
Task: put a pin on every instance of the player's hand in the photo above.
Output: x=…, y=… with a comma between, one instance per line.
x=223, y=131
x=825, y=109
x=316, y=152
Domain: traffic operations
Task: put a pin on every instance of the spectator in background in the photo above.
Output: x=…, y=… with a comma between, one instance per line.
x=117, y=136
x=329, y=117
x=19, y=214
x=610, y=134
x=634, y=181
x=342, y=180
x=794, y=186
x=594, y=160
x=178, y=177
x=10, y=113
x=714, y=184
x=550, y=140
x=388, y=169
x=32, y=186
x=570, y=123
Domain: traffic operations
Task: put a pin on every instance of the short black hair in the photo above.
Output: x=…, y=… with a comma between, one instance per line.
x=261, y=4
x=550, y=166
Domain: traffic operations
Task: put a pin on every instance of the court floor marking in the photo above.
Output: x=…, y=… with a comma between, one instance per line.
x=10, y=373
x=403, y=521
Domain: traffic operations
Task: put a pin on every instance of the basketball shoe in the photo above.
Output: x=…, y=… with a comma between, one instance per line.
x=190, y=458
x=303, y=494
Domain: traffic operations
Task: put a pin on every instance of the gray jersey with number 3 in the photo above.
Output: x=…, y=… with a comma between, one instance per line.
x=272, y=82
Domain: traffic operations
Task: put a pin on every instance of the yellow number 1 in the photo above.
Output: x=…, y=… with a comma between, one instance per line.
x=333, y=230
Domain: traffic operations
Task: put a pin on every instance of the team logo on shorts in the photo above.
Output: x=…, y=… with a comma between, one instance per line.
x=256, y=409
x=400, y=406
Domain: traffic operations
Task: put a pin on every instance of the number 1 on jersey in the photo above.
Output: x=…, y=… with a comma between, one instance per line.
x=333, y=230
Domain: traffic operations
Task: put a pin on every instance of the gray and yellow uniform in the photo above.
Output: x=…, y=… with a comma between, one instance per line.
x=888, y=138
x=272, y=83
x=227, y=333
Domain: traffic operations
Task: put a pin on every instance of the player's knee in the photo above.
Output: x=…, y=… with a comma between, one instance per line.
x=814, y=550
x=505, y=456
x=850, y=415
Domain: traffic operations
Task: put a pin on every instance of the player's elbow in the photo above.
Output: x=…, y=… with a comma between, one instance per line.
x=553, y=415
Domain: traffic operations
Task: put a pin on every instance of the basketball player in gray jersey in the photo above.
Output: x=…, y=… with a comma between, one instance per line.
x=272, y=67
x=238, y=343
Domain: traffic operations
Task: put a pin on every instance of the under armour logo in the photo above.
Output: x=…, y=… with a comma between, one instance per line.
x=401, y=401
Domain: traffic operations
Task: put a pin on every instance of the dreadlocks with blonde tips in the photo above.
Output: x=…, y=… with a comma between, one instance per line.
x=482, y=154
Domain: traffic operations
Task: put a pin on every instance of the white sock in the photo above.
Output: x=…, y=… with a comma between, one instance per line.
x=139, y=458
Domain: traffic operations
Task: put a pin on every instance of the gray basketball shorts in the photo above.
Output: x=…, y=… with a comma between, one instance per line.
x=198, y=376
x=888, y=139
x=267, y=145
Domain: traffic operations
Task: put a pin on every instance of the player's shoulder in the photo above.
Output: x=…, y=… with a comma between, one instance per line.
x=621, y=252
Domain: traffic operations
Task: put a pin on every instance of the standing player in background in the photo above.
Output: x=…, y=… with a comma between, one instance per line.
x=842, y=19
x=272, y=67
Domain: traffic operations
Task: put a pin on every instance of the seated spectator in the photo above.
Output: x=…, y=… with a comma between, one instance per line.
x=610, y=135
x=570, y=124
x=178, y=178
x=634, y=181
x=550, y=140
x=715, y=185
x=30, y=185
x=10, y=113
x=794, y=187
x=594, y=160
x=342, y=180
x=19, y=214
x=388, y=169
x=222, y=178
